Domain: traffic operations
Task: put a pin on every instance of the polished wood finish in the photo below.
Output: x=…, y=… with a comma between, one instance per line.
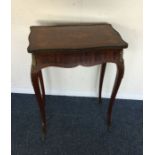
x=73, y=45
x=69, y=38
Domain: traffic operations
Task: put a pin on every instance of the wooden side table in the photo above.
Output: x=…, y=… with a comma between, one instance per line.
x=73, y=45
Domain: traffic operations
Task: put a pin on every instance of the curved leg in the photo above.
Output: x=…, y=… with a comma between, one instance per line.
x=42, y=85
x=35, y=82
x=118, y=79
x=102, y=72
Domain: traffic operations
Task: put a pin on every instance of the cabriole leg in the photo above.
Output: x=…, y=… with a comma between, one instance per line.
x=42, y=85
x=38, y=87
x=102, y=72
x=118, y=79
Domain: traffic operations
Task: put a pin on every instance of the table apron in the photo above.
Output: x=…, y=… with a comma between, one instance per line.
x=76, y=58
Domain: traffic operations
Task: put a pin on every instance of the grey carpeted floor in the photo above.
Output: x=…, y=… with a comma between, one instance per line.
x=76, y=126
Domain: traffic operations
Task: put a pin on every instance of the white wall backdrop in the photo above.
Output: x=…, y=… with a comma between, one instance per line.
x=124, y=15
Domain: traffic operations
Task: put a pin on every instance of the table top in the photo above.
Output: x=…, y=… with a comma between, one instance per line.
x=74, y=37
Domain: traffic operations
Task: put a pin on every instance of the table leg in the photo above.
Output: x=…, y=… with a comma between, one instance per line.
x=118, y=79
x=42, y=85
x=102, y=72
x=36, y=77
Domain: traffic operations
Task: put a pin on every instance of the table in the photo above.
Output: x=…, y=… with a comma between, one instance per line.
x=73, y=45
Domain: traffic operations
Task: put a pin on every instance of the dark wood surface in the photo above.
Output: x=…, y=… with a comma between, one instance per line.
x=73, y=45
x=74, y=37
